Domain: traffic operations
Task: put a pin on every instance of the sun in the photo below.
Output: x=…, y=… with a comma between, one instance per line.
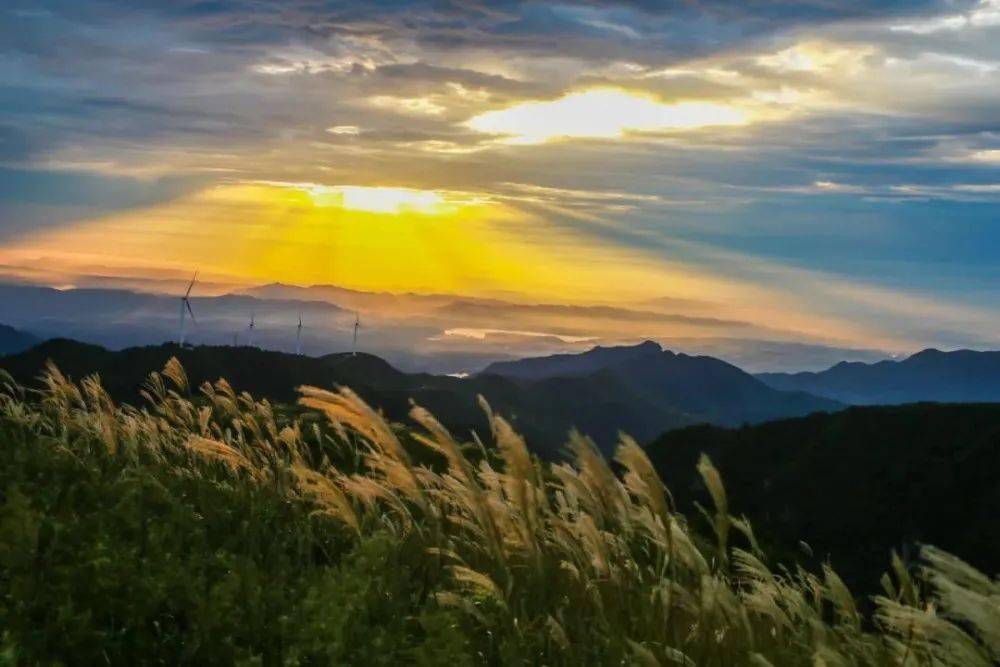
x=377, y=199
x=380, y=199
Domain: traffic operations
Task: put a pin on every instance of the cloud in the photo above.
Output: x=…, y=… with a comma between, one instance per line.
x=989, y=156
x=604, y=113
x=31, y=200
x=530, y=192
x=340, y=130
x=853, y=138
x=984, y=15
x=408, y=105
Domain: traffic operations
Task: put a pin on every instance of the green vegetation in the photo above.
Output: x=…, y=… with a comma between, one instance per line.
x=854, y=484
x=213, y=529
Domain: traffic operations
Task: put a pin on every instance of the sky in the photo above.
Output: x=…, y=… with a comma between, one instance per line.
x=825, y=171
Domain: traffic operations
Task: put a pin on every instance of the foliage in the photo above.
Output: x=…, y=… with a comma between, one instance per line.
x=215, y=530
x=854, y=484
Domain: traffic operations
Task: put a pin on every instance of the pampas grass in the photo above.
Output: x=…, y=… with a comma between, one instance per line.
x=534, y=563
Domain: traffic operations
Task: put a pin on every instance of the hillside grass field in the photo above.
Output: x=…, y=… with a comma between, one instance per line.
x=208, y=527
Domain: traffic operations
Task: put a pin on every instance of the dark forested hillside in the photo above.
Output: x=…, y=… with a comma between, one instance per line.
x=642, y=397
x=856, y=483
x=544, y=411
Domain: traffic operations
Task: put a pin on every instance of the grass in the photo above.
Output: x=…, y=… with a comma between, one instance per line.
x=212, y=528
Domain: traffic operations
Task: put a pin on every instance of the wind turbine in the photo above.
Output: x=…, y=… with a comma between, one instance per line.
x=250, y=331
x=186, y=310
x=298, y=336
x=357, y=323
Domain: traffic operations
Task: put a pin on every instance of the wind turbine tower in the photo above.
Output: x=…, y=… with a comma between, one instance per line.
x=186, y=310
x=357, y=323
x=250, y=331
x=298, y=336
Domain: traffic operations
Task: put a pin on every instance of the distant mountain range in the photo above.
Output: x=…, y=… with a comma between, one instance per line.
x=705, y=389
x=931, y=375
x=641, y=390
x=13, y=340
x=572, y=365
x=433, y=333
x=854, y=484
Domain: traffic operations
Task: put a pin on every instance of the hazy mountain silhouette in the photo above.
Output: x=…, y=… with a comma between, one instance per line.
x=431, y=333
x=637, y=399
x=856, y=483
x=14, y=340
x=931, y=375
x=543, y=411
x=705, y=389
x=571, y=365
x=343, y=296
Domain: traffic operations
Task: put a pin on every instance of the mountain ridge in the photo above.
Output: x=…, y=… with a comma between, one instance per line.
x=929, y=375
x=600, y=404
x=14, y=340
x=709, y=389
x=568, y=363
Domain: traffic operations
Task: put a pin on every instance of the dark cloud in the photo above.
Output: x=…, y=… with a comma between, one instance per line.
x=423, y=73
x=31, y=200
x=14, y=145
x=87, y=189
x=582, y=28
x=498, y=312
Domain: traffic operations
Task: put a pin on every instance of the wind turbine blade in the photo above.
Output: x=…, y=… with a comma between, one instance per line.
x=190, y=312
x=191, y=286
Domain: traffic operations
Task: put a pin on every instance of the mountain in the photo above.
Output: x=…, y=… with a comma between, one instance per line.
x=932, y=375
x=403, y=329
x=122, y=318
x=542, y=411
x=571, y=365
x=705, y=389
x=854, y=484
x=431, y=333
x=635, y=395
x=13, y=340
x=346, y=297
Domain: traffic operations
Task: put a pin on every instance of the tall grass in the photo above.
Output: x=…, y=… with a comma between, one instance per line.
x=214, y=527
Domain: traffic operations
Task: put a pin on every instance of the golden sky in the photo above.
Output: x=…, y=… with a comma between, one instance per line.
x=792, y=170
